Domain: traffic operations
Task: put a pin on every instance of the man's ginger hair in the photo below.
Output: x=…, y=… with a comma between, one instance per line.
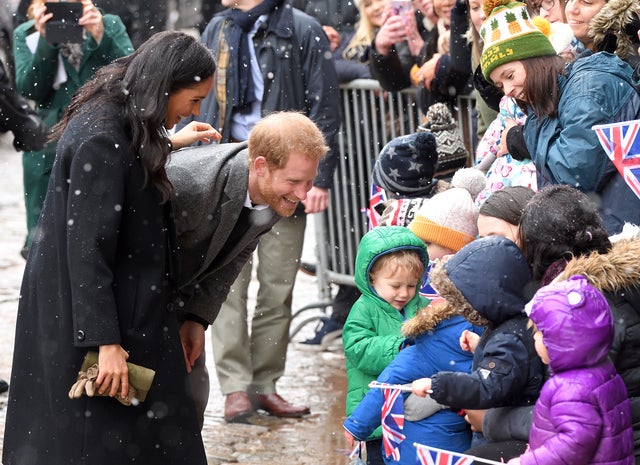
x=279, y=134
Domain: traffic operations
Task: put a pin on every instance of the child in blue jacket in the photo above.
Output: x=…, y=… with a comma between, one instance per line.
x=436, y=330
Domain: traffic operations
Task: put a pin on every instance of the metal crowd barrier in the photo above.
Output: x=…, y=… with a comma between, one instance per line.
x=371, y=118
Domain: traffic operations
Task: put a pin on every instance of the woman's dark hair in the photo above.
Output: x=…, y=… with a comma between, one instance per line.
x=507, y=204
x=541, y=84
x=560, y=222
x=141, y=84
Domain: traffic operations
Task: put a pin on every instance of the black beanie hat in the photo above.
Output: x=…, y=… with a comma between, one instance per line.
x=406, y=165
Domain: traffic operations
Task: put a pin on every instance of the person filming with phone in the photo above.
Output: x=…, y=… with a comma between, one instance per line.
x=56, y=51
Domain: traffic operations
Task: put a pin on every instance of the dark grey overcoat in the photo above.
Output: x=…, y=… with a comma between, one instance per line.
x=98, y=273
x=211, y=184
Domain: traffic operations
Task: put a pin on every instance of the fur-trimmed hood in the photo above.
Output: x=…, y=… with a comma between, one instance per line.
x=428, y=318
x=486, y=281
x=611, y=23
x=611, y=272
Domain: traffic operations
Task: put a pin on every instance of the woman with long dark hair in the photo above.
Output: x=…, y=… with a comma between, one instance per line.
x=100, y=275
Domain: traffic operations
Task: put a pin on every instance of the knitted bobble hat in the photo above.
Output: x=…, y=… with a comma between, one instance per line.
x=448, y=219
x=406, y=165
x=451, y=150
x=509, y=35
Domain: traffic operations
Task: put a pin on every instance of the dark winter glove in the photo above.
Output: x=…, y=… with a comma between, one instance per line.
x=406, y=343
x=488, y=92
x=31, y=135
x=516, y=144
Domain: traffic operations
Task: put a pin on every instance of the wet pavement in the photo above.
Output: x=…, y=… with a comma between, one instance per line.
x=316, y=379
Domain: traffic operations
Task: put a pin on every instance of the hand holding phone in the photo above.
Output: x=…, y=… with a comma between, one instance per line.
x=400, y=7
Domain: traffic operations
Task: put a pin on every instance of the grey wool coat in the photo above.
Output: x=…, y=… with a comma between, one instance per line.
x=210, y=188
x=99, y=273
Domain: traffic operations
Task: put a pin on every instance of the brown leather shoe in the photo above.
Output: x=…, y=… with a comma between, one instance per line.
x=277, y=406
x=237, y=407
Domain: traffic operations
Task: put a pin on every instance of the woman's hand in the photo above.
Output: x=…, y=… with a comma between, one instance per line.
x=193, y=132
x=392, y=31
x=41, y=16
x=414, y=39
x=502, y=148
x=421, y=387
x=427, y=71
x=113, y=373
x=91, y=20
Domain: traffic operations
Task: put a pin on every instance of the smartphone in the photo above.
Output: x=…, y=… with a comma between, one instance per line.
x=400, y=7
x=64, y=27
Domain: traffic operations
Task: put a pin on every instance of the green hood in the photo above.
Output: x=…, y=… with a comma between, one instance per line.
x=380, y=241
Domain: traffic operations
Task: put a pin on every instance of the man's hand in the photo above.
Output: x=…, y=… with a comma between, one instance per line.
x=334, y=37
x=317, y=200
x=192, y=337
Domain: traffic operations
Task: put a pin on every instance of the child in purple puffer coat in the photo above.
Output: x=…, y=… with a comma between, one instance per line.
x=583, y=414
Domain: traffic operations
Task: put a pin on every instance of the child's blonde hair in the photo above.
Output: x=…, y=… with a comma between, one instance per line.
x=407, y=259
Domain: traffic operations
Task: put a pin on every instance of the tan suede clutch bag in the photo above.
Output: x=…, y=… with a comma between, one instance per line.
x=141, y=378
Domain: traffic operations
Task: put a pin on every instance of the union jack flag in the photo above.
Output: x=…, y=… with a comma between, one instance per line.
x=432, y=456
x=392, y=421
x=621, y=143
x=378, y=197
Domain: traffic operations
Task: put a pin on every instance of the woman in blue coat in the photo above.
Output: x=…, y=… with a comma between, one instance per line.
x=562, y=103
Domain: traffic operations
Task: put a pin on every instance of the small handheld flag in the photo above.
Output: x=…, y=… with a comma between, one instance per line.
x=400, y=387
x=621, y=143
x=392, y=422
x=378, y=197
x=428, y=455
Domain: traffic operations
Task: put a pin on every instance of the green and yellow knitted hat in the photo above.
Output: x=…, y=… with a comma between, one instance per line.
x=509, y=35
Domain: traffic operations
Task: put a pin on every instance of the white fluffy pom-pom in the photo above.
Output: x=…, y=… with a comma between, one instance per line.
x=471, y=179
